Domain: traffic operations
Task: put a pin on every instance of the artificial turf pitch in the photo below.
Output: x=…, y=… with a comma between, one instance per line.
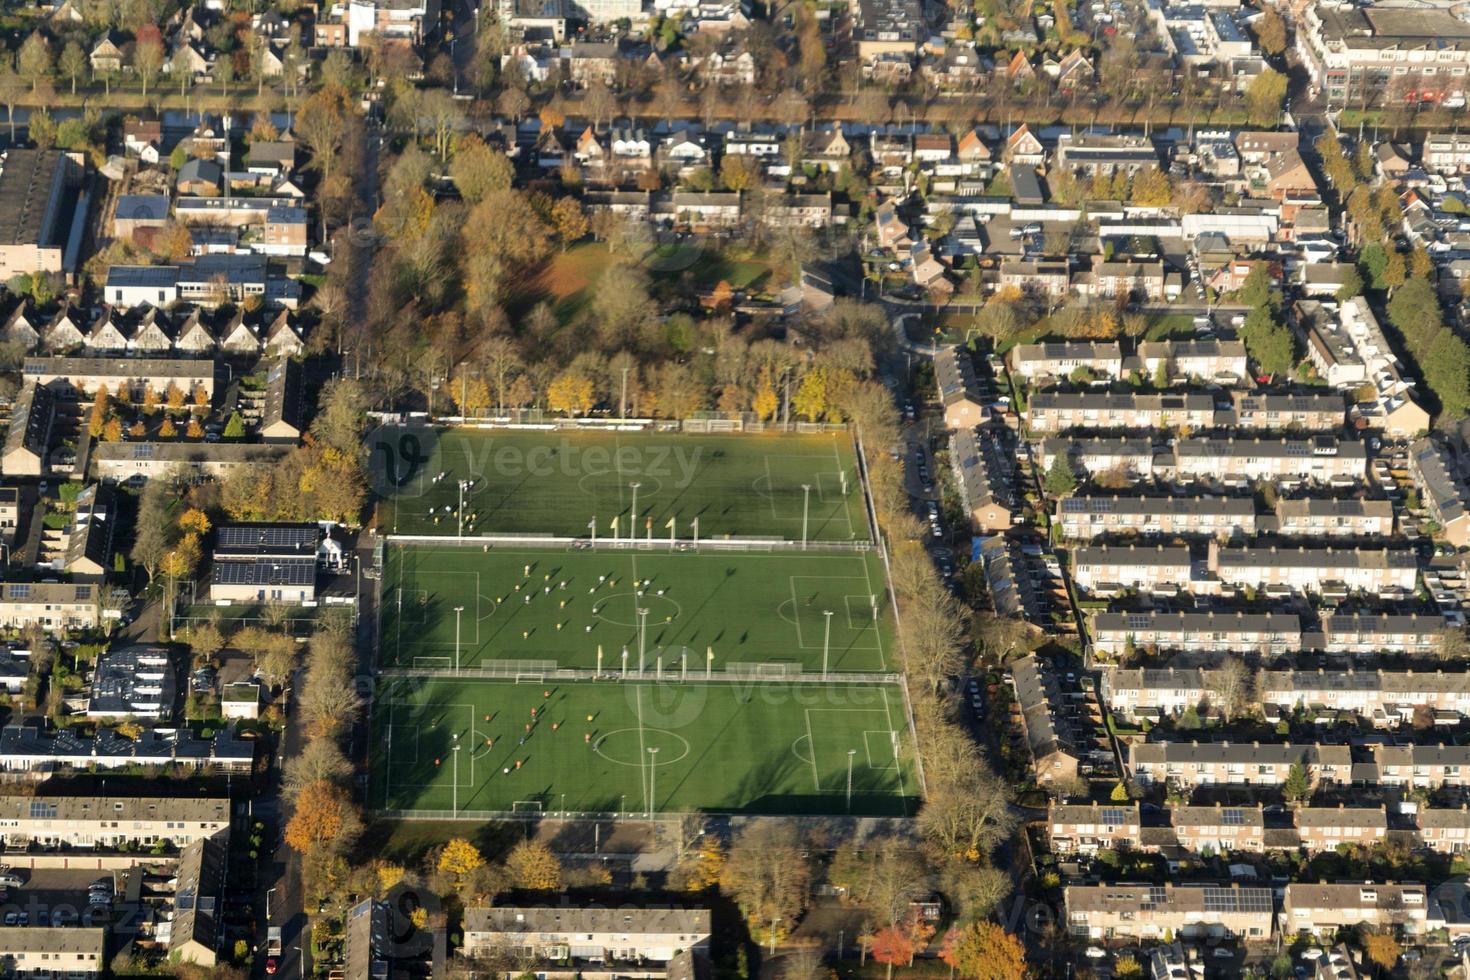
x=758, y=747
x=556, y=482
x=523, y=604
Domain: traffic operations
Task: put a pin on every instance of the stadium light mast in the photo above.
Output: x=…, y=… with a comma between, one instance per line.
x=457, y=611
x=455, y=760
x=806, y=496
x=652, y=779
x=633, y=517
x=826, y=641
x=642, y=636
x=850, y=754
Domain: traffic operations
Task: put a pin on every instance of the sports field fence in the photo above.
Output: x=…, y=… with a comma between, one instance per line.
x=540, y=672
x=656, y=544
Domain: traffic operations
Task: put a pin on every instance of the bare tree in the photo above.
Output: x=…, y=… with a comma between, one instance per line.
x=1232, y=687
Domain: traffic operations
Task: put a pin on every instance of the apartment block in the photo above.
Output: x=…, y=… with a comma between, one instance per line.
x=1205, y=632
x=1387, y=697
x=1317, y=411
x=1058, y=359
x=1334, y=517
x=1414, y=766
x=954, y=374
x=1194, y=764
x=1441, y=490
x=602, y=935
x=1055, y=411
x=1108, y=568
x=1088, y=516
x=1156, y=911
x=1320, y=459
x=1221, y=361
x=1444, y=829
x=1321, y=571
x=1218, y=828
x=1089, y=827
x=1131, y=457
x=89, y=822
x=1324, y=828
x=1322, y=909
x=985, y=476
x=1414, y=634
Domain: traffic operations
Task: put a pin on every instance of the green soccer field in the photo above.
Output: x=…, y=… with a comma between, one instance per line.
x=557, y=482
x=767, y=747
x=562, y=605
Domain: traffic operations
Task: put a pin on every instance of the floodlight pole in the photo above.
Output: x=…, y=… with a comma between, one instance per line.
x=696, y=532
x=457, y=611
x=826, y=641
x=455, y=761
x=625, y=661
x=633, y=517
x=652, y=779
x=592, y=526
x=460, y=513
x=806, y=495
x=642, y=637
x=599, y=658
x=850, y=754
x=709, y=663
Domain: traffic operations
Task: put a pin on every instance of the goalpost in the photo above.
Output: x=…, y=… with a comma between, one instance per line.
x=527, y=806
x=530, y=678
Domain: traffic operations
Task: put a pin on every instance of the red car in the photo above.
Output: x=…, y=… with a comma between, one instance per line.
x=270, y=965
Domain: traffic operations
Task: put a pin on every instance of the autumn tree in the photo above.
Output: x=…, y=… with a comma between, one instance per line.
x=984, y=951
x=1264, y=96
x=320, y=760
x=148, y=56
x=532, y=866
x=739, y=172
x=892, y=946
x=324, y=816
x=459, y=859
x=570, y=393
x=767, y=873
x=101, y=403
x=570, y=221
x=1271, y=31
x=477, y=170
x=34, y=59
x=1382, y=950
x=73, y=64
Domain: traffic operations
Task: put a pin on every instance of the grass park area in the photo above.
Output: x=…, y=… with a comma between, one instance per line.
x=556, y=482
x=569, y=279
x=636, y=747
x=535, y=610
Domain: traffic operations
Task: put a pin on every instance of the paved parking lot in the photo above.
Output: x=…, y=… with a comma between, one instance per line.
x=54, y=896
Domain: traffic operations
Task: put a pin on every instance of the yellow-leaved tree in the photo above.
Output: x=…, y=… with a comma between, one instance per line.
x=570, y=393
x=460, y=859
x=532, y=865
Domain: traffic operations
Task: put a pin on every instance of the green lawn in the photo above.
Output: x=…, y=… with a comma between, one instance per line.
x=722, y=747
x=570, y=278
x=547, y=482
x=563, y=606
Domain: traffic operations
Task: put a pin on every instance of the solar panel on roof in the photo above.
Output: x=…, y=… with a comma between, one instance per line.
x=1113, y=817
x=41, y=810
x=1232, y=818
